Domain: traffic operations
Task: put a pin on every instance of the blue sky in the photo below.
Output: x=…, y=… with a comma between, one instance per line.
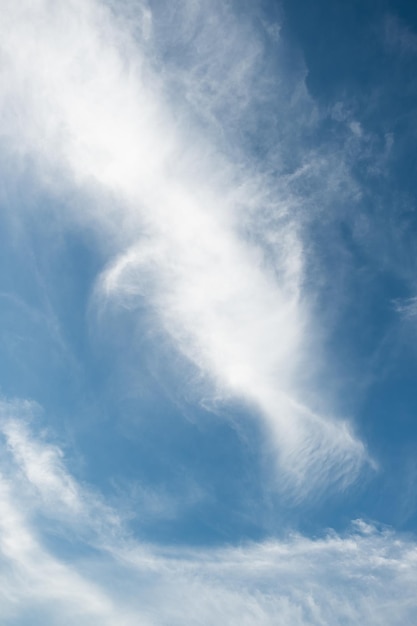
x=208, y=312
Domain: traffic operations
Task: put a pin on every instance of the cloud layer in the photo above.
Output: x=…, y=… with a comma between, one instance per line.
x=67, y=556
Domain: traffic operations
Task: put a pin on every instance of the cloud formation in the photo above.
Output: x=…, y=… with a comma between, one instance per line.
x=63, y=568
x=86, y=104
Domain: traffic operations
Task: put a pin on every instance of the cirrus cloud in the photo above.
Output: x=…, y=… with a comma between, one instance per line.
x=92, y=114
x=59, y=567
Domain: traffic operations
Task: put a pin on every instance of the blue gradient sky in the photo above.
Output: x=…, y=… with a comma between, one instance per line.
x=208, y=312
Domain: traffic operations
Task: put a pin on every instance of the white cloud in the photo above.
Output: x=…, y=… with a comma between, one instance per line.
x=364, y=576
x=81, y=99
x=36, y=586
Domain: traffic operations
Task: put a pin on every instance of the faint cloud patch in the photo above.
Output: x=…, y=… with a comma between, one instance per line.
x=398, y=36
x=406, y=307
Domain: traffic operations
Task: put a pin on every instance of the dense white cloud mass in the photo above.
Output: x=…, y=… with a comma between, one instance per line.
x=86, y=104
x=97, y=572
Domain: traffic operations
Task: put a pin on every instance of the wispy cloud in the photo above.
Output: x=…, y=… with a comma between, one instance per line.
x=87, y=104
x=399, y=36
x=406, y=307
x=34, y=486
x=54, y=573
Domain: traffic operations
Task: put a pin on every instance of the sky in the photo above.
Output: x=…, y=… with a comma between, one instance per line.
x=208, y=312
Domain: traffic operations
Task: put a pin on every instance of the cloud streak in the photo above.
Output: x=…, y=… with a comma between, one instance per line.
x=365, y=576
x=92, y=112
